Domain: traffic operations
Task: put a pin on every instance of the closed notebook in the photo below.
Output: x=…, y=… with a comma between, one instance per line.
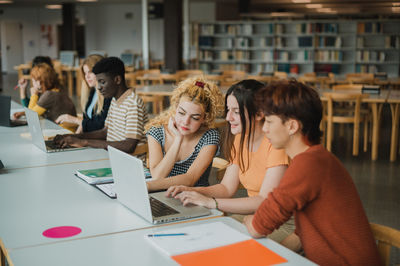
x=102, y=175
x=96, y=176
x=212, y=244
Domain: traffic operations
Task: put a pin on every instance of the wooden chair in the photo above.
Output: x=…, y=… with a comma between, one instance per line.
x=347, y=87
x=230, y=77
x=386, y=237
x=157, y=102
x=221, y=165
x=354, y=117
x=151, y=76
x=360, y=78
x=280, y=75
x=183, y=74
x=309, y=79
x=22, y=69
x=265, y=79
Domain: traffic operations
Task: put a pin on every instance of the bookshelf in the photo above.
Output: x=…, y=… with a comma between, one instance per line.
x=298, y=47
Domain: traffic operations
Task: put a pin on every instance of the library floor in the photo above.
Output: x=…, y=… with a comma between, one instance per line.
x=378, y=182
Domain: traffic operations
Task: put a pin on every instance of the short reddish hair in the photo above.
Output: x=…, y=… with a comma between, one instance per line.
x=46, y=75
x=292, y=99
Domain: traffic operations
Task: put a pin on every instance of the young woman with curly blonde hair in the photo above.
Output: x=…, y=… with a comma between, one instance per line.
x=182, y=141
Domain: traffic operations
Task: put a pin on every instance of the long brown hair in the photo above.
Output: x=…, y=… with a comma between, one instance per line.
x=244, y=92
x=90, y=61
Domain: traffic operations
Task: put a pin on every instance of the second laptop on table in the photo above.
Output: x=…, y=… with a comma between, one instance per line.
x=130, y=187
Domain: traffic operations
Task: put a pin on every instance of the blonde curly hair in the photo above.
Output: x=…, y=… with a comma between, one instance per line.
x=199, y=91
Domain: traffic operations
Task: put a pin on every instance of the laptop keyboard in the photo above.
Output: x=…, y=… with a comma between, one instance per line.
x=108, y=189
x=159, y=209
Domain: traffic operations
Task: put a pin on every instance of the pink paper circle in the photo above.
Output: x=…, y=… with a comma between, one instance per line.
x=62, y=231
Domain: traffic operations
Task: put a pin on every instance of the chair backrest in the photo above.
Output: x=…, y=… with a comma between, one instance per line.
x=280, y=75
x=157, y=102
x=149, y=76
x=347, y=117
x=347, y=87
x=386, y=237
x=23, y=69
x=265, y=79
x=310, y=74
x=360, y=78
x=221, y=165
x=230, y=77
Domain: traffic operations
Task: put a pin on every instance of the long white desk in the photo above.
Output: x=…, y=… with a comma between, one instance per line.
x=17, y=151
x=127, y=248
x=35, y=199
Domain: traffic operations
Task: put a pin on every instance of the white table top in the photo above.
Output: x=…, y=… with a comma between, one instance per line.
x=127, y=248
x=18, y=151
x=35, y=199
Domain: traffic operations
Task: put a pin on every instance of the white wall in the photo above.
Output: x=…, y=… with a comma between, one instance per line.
x=109, y=30
x=33, y=42
x=106, y=28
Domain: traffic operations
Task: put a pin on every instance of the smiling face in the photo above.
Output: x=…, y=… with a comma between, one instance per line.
x=233, y=115
x=107, y=85
x=90, y=77
x=276, y=131
x=189, y=116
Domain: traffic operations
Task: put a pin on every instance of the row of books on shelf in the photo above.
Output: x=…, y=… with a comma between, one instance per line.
x=328, y=56
x=366, y=56
x=328, y=42
x=326, y=27
x=369, y=27
x=304, y=28
x=206, y=29
x=390, y=42
x=366, y=69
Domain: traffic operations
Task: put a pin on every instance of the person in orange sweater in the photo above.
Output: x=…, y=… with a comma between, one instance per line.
x=316, y=188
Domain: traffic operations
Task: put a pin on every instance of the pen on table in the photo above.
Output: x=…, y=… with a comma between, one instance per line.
x=158, y=235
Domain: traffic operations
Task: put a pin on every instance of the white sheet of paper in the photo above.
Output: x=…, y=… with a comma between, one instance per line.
x=198, y=237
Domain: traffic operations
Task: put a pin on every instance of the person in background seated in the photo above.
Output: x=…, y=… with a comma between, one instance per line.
x=23, y=83
x=94, y=104
x=124, y=125
x=182, y=141
x=253, y=161
x=316, y=188
x=47, y=98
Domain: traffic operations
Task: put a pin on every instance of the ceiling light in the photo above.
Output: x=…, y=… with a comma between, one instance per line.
x=314, y=6
x=301, y=1
x=6, y=2
x=396, y=4
x=53, y=6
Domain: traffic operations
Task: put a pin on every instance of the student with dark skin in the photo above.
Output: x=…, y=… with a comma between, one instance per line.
x=111, y=85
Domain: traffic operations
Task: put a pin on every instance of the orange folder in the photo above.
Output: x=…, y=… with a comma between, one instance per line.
x=248, y=252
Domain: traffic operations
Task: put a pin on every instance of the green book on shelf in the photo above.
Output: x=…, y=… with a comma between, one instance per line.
x=96, y=176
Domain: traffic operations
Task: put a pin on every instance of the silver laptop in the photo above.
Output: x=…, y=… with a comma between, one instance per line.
x=5, y=113
x=131, y=189
x=37, y=134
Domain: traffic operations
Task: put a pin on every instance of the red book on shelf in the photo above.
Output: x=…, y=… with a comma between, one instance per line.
x=248, y=252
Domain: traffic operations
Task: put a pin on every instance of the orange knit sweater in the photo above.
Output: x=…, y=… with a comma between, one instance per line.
x=330, y=219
